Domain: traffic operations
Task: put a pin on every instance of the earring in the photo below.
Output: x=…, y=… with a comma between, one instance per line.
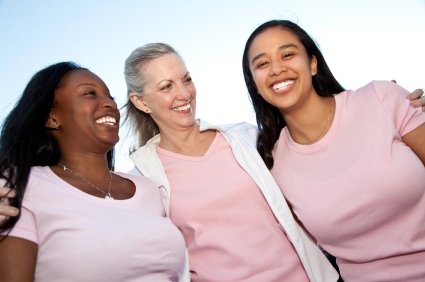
x=56, y=125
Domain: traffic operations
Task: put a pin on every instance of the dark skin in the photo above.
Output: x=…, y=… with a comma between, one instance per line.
x=414, y=97
x=87, y=122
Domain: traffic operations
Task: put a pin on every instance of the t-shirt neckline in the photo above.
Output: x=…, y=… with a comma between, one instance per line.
x=207, y=154
x=329, y=136
x=135, y=199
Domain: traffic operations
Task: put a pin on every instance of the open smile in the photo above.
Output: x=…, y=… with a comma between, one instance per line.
x=181, y=108
x=106, y=120
x=282, y=85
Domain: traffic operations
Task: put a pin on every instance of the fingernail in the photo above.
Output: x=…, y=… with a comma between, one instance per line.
x=14, y=211
x=12, y=193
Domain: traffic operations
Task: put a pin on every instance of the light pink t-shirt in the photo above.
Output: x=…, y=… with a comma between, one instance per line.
x=85, y=238
x=360, y=190
x=230, y=232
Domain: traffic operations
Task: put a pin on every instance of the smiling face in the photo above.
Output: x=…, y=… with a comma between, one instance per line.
x=169, y=95
x=84, y=113
x=281, y=69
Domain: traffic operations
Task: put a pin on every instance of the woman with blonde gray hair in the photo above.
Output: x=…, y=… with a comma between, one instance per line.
x=217, y=191
x=215, y=187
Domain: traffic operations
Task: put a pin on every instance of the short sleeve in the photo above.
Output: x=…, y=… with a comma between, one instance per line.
x=393, y=99
x=25, y=228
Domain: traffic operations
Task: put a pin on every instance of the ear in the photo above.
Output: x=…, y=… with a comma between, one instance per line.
x=313, y=65
x=139, y=103
x=51, y=122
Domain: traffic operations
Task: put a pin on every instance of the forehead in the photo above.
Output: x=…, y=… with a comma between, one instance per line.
x=74, y=78
x=271, y=39
x=165, y=67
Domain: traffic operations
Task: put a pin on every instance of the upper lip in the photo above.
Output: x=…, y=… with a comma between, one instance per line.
x=183, y=105
x=112, y=114
x=280, y=80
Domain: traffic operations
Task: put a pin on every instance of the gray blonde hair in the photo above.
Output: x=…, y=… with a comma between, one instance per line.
x=141, y=124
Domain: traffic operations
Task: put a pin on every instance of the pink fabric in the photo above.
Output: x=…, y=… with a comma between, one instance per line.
x=360, y=190
x=230, y=232
x=84, y=238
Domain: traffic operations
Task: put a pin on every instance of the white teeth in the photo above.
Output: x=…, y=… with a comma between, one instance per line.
x=108, y=120
x=182, y=108
x=283, y=85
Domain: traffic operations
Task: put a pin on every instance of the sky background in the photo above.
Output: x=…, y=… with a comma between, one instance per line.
x=361, y=40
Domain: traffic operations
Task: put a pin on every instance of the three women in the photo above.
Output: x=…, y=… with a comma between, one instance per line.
x=222, y=197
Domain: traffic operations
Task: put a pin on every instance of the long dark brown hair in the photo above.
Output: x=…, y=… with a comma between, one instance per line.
x=269, y=119
x=25, y=141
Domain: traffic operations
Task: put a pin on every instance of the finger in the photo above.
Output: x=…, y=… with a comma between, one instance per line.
x=8, y=210
x=7, y=192
x=415, y=95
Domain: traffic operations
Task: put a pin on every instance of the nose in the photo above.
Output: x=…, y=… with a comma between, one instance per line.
x=277, y=67
x=108, y=102
x=184, y=93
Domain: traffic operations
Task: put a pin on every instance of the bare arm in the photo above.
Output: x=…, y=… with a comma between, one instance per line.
x=415, y=139
x=17, y=259
x=4, y=208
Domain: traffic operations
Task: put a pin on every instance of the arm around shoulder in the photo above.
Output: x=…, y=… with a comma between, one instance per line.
x=17, y=259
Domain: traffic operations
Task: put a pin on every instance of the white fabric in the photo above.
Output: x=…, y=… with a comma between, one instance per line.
x=242, y=139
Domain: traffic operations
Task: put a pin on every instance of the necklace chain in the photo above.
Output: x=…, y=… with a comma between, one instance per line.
x=107, y=195
x=327, y=121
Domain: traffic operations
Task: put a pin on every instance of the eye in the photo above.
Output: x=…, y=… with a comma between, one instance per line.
x=262, y=64
x=188, y=80
x=112, y=98
x=166, y=87
x=90, y=93
x=287, y=55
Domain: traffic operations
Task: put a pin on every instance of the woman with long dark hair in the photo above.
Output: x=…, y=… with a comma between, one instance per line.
x=79, y=220
x=350, y=163
x=217, y=190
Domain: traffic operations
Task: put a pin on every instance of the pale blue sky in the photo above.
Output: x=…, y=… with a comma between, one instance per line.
x=362, y=40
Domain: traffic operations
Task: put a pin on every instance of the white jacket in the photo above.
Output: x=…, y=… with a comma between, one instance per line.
x=242, y=139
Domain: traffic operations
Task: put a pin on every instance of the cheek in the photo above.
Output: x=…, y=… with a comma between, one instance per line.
x=259, y=81
x=192, y=91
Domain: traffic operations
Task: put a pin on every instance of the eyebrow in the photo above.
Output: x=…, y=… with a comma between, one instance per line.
x=170, y=80
x=280, y=48
x=91, y=84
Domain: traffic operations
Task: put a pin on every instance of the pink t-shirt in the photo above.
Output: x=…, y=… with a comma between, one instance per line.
x=360, y=190
x=230, y=232
x=85, y=238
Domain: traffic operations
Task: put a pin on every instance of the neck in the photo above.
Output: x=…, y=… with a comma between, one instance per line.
x=85, y=163
x=190, y=141
x=309, y=123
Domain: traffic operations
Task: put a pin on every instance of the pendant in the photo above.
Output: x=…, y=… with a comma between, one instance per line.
x=109, y=197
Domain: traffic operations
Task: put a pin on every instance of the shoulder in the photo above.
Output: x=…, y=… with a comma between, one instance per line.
x=137, y=179
x=383, y=90
x=41, y=176
x=240, y=128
